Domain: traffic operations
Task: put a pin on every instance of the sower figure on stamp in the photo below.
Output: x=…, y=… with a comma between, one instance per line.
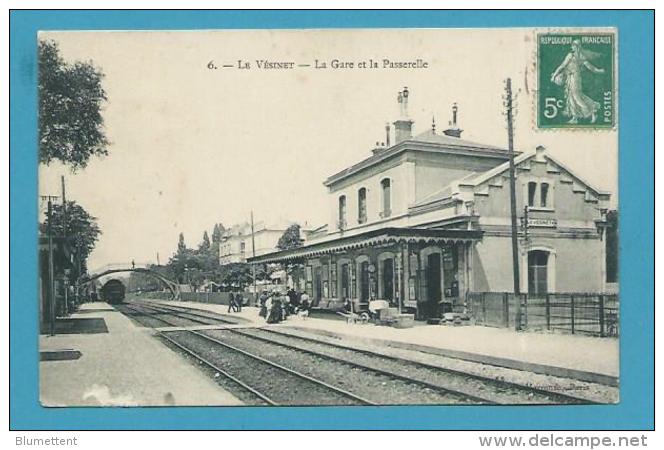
x=568, y=74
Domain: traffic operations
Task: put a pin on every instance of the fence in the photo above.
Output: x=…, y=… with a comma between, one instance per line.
x=217, y=298
x=593, y=314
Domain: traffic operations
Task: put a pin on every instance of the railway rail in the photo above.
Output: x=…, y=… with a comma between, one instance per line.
x=555, y=397
x=473, y=388
x=267, y=379
x=191, y=312
x=274, y=367
x=190, y=316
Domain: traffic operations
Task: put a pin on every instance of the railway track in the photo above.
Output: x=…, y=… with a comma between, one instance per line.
x=144, y=318
x=271, y=382
x=290, y=339
x=459, y=385
x=267, y=382
x=192, y=317
x=191, y=312
x=273, y=367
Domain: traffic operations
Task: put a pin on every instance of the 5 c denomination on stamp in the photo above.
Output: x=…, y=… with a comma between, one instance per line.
x=576, y=79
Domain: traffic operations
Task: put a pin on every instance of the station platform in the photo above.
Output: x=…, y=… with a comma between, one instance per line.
x=586, y=358
x=114, y=362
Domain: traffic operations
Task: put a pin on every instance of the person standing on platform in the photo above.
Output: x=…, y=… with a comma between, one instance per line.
x=285, y=307
x=305, y=304
x=275, y=313
x=262, y=303
x=293, y=300
x=231, y=302
x=238, y=301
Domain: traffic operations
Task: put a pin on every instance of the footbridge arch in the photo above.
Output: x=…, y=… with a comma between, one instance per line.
x=173, y=287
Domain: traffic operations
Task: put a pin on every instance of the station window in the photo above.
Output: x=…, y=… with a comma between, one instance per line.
x=532, y=191
x=544, y=194
x=362, y=205
x=342, y=211
x=386, y=187
x=540, y=195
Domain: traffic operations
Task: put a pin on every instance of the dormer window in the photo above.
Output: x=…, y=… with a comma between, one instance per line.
x=362, y=205
x=386, y=188
x=342, y=212
x=532, y=191
x=544, y=194
x=540, y=195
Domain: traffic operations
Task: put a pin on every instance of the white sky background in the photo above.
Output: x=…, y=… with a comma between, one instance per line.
x=192, y=147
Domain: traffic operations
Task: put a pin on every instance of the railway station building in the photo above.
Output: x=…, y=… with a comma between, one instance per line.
x=425, y=221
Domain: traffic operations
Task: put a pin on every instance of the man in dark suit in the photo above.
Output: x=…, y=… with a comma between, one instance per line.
x=231, y=303
x=238, y=301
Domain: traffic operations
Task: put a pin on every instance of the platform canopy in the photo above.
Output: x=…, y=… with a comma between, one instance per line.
x=371, y=238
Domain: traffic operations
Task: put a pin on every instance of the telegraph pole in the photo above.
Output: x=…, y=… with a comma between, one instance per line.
x=64, y=244
x=253, y=254
x=515, y=245
x=51, y=271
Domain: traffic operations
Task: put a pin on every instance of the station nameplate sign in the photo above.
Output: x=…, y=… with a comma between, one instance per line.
x=543, y=223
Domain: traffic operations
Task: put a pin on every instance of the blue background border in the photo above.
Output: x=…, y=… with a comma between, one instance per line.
x=636, y=116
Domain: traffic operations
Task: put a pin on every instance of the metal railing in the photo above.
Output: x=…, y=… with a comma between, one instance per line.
x=577, y=313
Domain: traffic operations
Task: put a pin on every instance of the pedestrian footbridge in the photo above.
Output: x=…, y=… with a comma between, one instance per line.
x=110, y=269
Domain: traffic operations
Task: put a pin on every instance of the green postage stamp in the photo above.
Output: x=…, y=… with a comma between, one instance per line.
x=576, y=78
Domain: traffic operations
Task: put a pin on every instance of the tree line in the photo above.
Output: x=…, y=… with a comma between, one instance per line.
x=200, y=266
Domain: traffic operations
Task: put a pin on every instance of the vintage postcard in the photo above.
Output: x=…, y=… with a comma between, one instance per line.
x=328, y=217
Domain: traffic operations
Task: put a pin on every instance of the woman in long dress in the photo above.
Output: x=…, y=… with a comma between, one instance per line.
x=275, y=312
x=568, y=74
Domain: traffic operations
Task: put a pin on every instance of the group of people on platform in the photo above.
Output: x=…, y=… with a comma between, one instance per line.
x=235, y=302
x=276, y=306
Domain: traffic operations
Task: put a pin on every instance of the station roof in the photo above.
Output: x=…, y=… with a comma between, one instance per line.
x=369, y=238
x=427, y=142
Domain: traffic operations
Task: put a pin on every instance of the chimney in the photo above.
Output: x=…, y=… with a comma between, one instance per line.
x=380, y=146
x=454, y=130
x=403, y=126
x=387, y=134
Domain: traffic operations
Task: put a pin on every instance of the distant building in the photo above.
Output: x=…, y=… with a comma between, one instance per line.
x=236, y=241
x=424, y=221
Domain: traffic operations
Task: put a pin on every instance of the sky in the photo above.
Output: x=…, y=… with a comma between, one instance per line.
x=193, y=146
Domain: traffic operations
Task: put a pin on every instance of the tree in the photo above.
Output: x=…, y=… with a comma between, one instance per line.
x=217, y=231
x=236, y=274
x=182, y=247
x=71, y=96
x=82, y=229
x=216, y=238
x=204, y=247
x=291, y=238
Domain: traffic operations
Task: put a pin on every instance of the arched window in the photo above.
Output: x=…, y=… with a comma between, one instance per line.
x=362, y=205
x=342, y=212
x=386, y=188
